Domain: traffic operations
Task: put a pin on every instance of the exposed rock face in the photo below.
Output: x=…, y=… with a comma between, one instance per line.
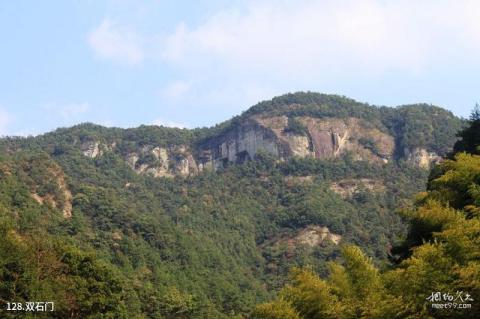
x=186, y=165
x=321, y=138
x=333, y=137
x=310, y=236
x=91, y=149
x=239, y=145
x=132, y=160
x=315, y=235
x=152, y=160
x=94, y=149
x=348, y=187
x=161, y=167
x=299, y=145
x=325, y=138
x=66, y=207
x=168, y=162
x=67, y=204
x=160, y=154
x=420, y=157
x=291, y=144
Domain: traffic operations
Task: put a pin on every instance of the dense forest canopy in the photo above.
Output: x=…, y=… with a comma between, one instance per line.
x=438, y=260
x=102, y=241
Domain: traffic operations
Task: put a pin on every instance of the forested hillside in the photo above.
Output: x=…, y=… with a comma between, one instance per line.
x=438, y=263
x=156, y=222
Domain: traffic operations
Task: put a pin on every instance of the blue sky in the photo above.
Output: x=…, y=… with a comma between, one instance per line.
x=196, y=63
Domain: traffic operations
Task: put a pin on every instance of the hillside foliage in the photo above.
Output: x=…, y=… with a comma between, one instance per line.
x=441, y=254
x=216, y=244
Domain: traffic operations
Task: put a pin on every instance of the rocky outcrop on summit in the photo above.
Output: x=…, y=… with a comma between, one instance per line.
x=323, y=138
x=292, y=144
x=332, y=137
x=303, y=124
x=163, y=162
x=94, y=149
x=239, y=144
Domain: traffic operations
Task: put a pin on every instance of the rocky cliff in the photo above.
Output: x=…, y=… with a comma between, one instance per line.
x=302, y=125
x=153, y=160
x=323, y=138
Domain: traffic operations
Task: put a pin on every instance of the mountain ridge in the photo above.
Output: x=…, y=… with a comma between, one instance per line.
x=303, y=124
x=130, y=206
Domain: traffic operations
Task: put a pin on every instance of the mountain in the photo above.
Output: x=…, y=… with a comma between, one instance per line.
x=156, y=222
x=303, y=125
x=436, y=270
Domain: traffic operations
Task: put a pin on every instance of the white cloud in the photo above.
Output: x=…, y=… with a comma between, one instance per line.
x=260, y=48
x=167, y=123
x=117, y=43
x=68, y=112
x=236, y=57
x=303, y=38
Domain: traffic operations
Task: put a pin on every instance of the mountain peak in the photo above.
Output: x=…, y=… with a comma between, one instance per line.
x=301, y=124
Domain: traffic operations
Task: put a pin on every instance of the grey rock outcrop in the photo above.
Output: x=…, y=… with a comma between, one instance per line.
x=420, y=157
x=322, y=138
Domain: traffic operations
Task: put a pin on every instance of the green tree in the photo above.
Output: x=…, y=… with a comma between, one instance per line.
x=470, y=136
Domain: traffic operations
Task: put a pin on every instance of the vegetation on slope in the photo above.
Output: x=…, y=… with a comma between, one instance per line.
x=195, y=238
x=441, y=255
x=418, y=125
x=206, y=246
